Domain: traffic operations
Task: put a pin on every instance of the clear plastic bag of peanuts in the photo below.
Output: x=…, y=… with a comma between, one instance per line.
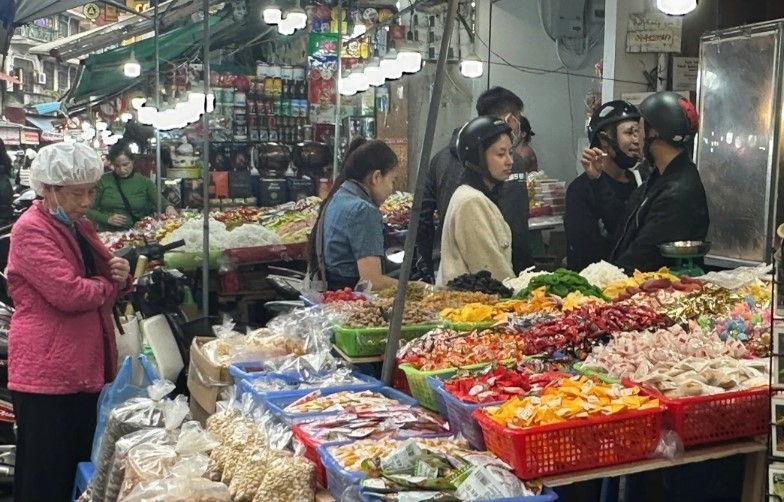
x=185, y=484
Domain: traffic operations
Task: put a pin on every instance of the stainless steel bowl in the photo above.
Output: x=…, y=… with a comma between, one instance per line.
x=685, y=249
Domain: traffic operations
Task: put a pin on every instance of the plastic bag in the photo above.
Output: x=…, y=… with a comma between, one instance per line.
x=288, y=479
x=738, y=277
x=131, y=416
x=235, y=435
x=185, y=484
x=151, y=461
x=670, y=445
x=122, y=389
x=174, y=412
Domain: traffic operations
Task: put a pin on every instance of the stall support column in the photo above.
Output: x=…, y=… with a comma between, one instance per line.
x=158, y=180
x=424, y=160
x=336, y=147
x=205, y=286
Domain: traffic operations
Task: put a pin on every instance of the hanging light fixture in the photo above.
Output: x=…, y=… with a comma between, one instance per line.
x=286, y=27
x=359, y=80
x=146, y=115
x=137, y=103
x=271, y=12
x=297, y=17
x=132, y=68
x=676, y=7
x=391, y=66
x=374, y=75
x=347, y=86
x=471, y=66
x=410, y=57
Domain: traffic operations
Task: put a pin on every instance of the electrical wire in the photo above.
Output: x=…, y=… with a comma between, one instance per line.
x=544, y=71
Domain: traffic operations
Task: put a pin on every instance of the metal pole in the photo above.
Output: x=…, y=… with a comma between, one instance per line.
x=336, y=148
x=205, y=287
x=158, y=180
x=424, y=160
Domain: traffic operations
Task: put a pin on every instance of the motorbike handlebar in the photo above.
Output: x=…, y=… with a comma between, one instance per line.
x=172, y=245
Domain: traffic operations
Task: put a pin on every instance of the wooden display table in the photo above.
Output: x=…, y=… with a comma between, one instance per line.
x=753, y=486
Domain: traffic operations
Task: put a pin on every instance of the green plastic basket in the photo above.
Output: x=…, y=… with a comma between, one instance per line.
x=604, y=377
x=367, y=342
x=421, y=389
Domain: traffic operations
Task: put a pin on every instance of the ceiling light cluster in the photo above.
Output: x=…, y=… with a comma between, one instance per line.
x=676, y=7
x=288, y=21
x=178, y=116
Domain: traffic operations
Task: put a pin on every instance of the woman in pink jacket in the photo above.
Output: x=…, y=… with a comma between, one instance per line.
x=61, y=347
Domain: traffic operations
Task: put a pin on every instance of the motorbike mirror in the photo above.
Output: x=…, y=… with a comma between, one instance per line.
x=396, y=255
x=27, y=195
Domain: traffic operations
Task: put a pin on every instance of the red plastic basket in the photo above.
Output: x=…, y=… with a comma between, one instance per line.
x=577, y=445
x=400, y=381
x=311, y=453
x=718, y=417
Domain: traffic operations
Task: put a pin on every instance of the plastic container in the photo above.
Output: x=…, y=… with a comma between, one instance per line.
x=719, y=417
x=365, y=342
x=576, y=445
x=459, y=414
x=253, y=370
x=246, y=386
x=277, y=403
x=311, y=453
x=547, y=495
x=421, y=389
x=189, y=261
x=339, y=479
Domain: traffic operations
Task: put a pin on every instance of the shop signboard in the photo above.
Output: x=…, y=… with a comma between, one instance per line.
x=684, y=73
x=652, y=32
x=10, y=136
x=29, y=137
x=52, y=137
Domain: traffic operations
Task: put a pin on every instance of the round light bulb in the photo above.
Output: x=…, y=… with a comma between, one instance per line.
x=272, y=14
x=297, y=18
x=676, y=7
x=137, y=103
x=410, y=58
x=472, y=67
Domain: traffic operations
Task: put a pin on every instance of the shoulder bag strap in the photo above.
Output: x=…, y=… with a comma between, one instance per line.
x=322, y=264
x=125, y=199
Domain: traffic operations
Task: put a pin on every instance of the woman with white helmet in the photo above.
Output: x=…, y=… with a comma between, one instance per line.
x=64, y=283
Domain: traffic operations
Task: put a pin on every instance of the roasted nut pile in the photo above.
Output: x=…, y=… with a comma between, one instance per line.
x=376, y=314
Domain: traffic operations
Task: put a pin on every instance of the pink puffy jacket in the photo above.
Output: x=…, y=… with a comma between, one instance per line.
x=61, y=339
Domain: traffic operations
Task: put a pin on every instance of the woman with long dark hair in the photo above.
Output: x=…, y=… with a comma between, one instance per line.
x=475, y=235
x=347, y=243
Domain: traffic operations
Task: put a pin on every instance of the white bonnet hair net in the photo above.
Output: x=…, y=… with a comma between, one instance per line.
x=65, y=164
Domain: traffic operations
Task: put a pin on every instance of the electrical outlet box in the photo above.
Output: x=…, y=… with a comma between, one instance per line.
x=567, y=18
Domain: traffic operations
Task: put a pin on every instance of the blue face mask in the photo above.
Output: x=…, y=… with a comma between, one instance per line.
x=59, y=213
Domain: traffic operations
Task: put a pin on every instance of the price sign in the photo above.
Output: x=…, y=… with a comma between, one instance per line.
x=91, y=11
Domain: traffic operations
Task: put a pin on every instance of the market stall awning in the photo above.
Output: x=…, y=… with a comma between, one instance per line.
x=49, y=133
x=172, y=12
x=30, y=10
x=102, y=74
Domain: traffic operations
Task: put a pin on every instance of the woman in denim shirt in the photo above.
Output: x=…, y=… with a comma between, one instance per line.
x=347, y=244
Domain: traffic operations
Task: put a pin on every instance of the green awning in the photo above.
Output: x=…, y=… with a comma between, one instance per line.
x=102, y=74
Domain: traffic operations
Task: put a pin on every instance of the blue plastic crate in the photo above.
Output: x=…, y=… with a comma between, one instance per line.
x=339, y=479
x=277, y=403
x=547, y=495
x=458, y=414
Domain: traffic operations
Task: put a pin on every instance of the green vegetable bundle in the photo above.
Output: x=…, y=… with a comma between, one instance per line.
x=561, y=283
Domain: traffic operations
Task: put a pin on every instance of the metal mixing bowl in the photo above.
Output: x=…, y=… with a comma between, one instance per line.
x=684, y=249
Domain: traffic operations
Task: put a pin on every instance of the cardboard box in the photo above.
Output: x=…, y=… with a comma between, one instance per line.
x=205, y=379
x=198, y=413
x=300, y=188
x=273, y=192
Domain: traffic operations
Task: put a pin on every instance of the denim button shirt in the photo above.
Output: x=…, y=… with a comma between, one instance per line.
x=353, y=229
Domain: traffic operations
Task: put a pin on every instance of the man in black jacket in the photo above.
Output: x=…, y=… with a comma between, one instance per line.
x=445, y=174
x=671, y=205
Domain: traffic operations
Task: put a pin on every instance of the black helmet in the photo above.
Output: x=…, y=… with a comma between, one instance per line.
x=674, y=117
x=610, y=113
x=475, y=136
